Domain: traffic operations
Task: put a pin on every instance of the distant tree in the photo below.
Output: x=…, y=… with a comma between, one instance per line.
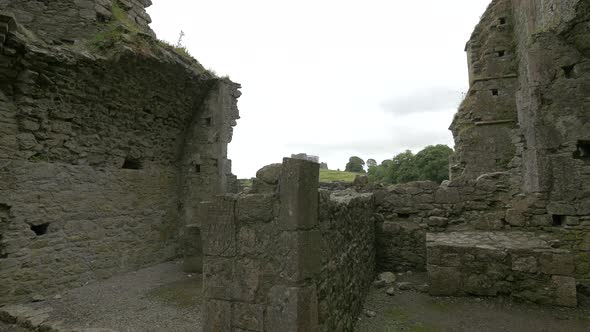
x=355, y=164
x=432, y=163
x=371, y=163
x=402, y=168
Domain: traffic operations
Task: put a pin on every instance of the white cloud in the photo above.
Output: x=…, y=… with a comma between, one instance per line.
x=316, y=75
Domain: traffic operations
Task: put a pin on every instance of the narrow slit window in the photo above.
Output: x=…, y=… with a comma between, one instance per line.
x=494, y=92
x=40, y=230
x=403, y=215
x=208, y=122
x=132, y=163
x=501, y=53
x=198, y=168
x=502, y=20
x=558, y=220
x=568, y=71
x=582, y=150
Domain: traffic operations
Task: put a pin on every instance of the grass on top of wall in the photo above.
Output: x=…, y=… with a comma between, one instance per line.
x=328, y=175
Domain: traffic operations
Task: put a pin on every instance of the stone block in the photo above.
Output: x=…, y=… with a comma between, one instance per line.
x=514, y=217
x=525, y=264
x=298, y=186
x=248, y=316
x=292, y=309
x=446, y=195
x=217, y=316
x=270, y=174
x=256, y=208
x=444, y=281
x=437, y=221
x=300, y=255
x=247, y=277
x=218, y=278
x=565, y=291
x=219, y=227
x=557, y=264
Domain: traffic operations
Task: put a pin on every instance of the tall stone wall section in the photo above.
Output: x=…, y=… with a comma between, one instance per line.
x=347, y=226
x=262, y=256
x=103, y=151
x=286, y=257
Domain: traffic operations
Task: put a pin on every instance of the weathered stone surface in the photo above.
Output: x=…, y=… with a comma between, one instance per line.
x=100, y=179
x=217, y=316
x=299, y=194
x=565, y=292
x=292, y=309
x=519, y=264
x=270, y=174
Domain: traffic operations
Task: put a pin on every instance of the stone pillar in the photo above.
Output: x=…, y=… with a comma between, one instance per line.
x=262, y=256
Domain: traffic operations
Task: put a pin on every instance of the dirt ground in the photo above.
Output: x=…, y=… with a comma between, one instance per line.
x=160, y=298
x=417, y=312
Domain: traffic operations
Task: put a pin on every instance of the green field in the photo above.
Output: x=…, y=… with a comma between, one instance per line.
x=327, y=175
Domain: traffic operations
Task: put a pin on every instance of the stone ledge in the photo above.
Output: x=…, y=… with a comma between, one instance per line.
x=518, y=264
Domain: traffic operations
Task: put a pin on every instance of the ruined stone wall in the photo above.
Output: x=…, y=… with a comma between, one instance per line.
x=104, y=147
x=488, y=113
x=73, y=21
x=262, y=254
x=348, y=257
x=282, y=258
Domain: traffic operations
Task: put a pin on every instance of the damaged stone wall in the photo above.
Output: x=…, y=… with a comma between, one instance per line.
x=108, y=137
x=287, y=257
x=347, y=230
x=262, y=254
x=521, y=163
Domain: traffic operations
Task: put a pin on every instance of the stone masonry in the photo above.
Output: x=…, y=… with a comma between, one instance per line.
x=284, y=258
x=109, y=138
x=262, y=255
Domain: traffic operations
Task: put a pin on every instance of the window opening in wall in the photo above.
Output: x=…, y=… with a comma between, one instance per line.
x=198, y=168
x=568, y=71
x=40, y=229
x=208, y=122
x=403, y=215
x=501, y=53
x=583, y=150
x=494, y=92
x=558, y=220
x=502, y=20
x=215, y=162
x=132, y=163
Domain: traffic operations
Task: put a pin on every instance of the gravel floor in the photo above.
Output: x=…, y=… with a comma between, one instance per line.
x=161, y=298
x=11, y=328
x=414, y=311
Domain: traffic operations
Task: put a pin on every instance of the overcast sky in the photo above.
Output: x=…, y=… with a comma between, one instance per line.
x=332, y=78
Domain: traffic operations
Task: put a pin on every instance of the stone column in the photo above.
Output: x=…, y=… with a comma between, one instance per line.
x=262, y=256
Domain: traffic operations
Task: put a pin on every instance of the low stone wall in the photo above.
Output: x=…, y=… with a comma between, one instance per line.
x=348, y=257
x=519, y=264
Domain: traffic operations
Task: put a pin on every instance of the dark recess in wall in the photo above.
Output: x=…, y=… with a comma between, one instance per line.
x=583, y=150
x=131, y=163
x=558, y=220
x=40, y=229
